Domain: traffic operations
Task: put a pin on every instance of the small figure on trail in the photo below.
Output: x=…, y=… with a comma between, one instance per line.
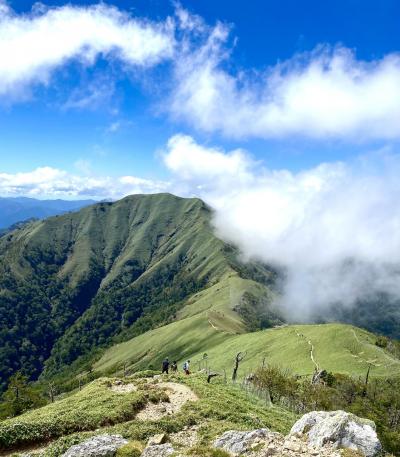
x=186, y=367
x=174, y=366
x=165, y=366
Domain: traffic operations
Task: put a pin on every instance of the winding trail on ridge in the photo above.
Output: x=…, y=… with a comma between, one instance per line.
x=300, y=335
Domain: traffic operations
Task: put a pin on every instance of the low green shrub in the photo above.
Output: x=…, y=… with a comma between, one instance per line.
x=95, y=406
x=132, y=449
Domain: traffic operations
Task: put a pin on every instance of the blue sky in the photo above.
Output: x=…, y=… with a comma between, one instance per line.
x=113, y=116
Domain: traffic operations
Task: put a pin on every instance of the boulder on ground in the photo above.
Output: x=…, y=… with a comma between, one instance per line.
x=238, y=443
x=158, y=450
x=98, y=446
x=157, y=439
x=339, y=429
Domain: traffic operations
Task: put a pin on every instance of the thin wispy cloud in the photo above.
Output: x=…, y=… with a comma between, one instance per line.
x=324, y=94
x=327, y=93
x=34, y=45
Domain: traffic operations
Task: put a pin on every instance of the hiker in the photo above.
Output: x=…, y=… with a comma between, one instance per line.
x=165, y=366
x=174, y=366
x=186, y=367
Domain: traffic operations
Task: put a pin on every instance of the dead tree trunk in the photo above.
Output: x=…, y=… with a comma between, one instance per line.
x=364, y=392
x=212, y=375
x=239, y=357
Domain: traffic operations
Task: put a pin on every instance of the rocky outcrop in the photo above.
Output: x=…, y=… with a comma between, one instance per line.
x=240, y=443
x=263, y=443
x=161, y=450
x=339, y=429
x=161, y=438
x=98, y=446
x=319, y=434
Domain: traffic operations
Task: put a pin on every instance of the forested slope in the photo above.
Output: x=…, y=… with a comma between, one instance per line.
x=77, y=282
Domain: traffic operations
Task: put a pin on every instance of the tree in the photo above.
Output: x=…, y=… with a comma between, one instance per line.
x=19, y=396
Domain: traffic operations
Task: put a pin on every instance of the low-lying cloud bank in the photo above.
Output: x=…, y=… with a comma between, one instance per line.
x=334, y=229
x=54, y=183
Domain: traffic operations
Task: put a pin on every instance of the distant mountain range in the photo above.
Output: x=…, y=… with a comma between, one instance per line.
x=15, y=210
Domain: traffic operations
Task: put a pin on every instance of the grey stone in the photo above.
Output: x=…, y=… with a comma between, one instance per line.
x=157, y=439
x=98, y=446
x=238, y=443
x=160, y=450
x=340, y=429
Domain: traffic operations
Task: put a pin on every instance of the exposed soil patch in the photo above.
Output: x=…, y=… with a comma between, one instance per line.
x=178, y=395
x=123, y=388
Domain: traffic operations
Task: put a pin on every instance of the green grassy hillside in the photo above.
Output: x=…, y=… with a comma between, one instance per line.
x=98, y=409
x=337, y=348
x=75, y=283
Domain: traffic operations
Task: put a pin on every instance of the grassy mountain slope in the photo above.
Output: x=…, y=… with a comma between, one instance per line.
x=77, y=282
x=337, y=348
x=219, y=407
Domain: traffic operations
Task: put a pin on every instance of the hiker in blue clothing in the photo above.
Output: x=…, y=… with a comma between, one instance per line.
x=186, y=367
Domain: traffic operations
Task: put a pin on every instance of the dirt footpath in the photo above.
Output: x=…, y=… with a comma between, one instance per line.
x=178, y=395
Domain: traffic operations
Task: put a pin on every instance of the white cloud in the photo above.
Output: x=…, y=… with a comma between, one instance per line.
x=334, y=228
x=327, y=93
x=32, y=46
x=193, y=162
x=52, y=182
x=324, y=94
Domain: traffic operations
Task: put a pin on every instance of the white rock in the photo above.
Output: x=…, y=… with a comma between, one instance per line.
x=98, y=446
x=161, y=438
x=238, y=443
x=340, y=429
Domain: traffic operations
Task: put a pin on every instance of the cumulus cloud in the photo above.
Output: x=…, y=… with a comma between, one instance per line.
x=326, y=93
x=52, y=182
x=333, y=229
x=192, y=162
x=32, y=46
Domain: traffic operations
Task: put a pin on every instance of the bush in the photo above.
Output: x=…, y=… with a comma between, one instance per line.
x=95, y=406
x=132, y=449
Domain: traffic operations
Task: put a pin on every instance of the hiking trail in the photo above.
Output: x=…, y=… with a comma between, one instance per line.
x=178, y=395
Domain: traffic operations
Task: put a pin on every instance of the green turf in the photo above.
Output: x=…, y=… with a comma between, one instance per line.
x=338, y=348
x=95, y=406
x=220, y=407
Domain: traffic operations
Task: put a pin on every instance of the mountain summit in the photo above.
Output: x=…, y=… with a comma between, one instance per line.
x=74, y=283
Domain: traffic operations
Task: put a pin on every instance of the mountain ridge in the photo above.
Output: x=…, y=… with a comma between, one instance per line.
x=110, y=270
